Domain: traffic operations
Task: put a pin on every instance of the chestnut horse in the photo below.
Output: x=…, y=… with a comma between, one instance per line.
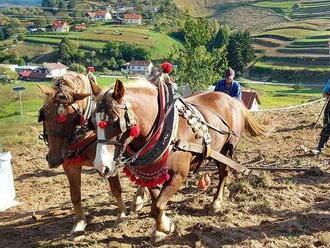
x=65, y=116
x=218, y=110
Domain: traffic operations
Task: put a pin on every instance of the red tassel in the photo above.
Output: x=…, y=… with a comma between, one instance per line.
x=127, y=171
x=103, y=124
x=61, y=118
x=82, y=120
x=167, y=67
x=134, y=131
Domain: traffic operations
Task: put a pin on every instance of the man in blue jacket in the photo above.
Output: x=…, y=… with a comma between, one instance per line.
x=325, y=133
x=229, y=85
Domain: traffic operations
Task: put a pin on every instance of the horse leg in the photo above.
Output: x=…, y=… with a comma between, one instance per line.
x=74, y=177
x=116, y=190
x=139, y=199
x=164, y=225
x=215, y=207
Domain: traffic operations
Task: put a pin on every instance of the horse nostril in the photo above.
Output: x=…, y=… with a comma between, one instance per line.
x=106, y=170
x=47, y=157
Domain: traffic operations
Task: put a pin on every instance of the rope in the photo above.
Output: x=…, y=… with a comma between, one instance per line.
x=290, y=107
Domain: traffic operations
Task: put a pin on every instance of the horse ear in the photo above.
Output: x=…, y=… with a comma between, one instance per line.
x=95, y=88
x=79, y=96
x=119, y=90
x=46, y=90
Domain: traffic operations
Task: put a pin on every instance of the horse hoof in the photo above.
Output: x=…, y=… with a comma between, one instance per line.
x=214, y=209
x=79, y=228
x=157, y=236
x=137, y=206
x=121, y=217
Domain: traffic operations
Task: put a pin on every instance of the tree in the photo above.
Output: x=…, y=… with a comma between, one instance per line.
x=77, y=67
x=196, y=31
x=7, y=75
x=2, y=35
x=200, y=64
x=240, y=51
x=200, y=68
x=40, y=22
x=68, y=51
x=221, y=38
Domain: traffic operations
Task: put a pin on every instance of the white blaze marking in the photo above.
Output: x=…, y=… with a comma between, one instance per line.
x=104, y=156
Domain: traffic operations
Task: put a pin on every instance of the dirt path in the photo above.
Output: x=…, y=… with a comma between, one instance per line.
x=273, y=210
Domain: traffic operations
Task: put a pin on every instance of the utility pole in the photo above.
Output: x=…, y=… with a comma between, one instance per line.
x=19, y=90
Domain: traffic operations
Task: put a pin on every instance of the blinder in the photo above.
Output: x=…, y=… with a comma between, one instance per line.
x=41, y=116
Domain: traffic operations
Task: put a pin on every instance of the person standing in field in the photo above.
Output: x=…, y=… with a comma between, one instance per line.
x=229, y=85
x=325, y=133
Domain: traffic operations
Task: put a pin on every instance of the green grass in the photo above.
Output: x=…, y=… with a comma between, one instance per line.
x=159, y=44
x=272, y=96
x=292, y=68
x=292, y=32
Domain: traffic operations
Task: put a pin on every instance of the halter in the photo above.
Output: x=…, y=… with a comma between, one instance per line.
x=127, y=121
x=64, y=103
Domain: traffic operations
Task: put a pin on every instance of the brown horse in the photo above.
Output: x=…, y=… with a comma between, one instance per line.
x=65, y=117
x=119, y=108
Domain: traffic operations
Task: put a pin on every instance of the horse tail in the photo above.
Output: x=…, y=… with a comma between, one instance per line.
x=254, y=127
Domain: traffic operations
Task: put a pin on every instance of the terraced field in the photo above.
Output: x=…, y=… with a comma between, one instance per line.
x=290, y=37
x=158, y=44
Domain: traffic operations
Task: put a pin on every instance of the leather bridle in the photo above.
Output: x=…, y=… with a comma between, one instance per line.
x=125, y=122
x=63, y=104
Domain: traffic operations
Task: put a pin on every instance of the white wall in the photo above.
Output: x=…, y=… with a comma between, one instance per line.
x=133, y=21
x=255, y=105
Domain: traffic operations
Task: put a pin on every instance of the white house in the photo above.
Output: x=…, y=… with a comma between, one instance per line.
x=135, y=19
x=251, y=100
x=61, y=26
x=102, y=15
x=140, y=67
x=55, y=69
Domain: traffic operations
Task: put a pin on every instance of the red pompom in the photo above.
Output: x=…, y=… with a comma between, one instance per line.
x=103, y=124
x=167, y=67
x=61, y=118
x=134, y=131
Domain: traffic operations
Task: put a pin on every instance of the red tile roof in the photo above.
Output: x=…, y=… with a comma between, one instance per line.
x=133, y=16
x=101, y=13
x=59, y=24
x=90, y=14
x=139, y=63
x=54, y=66
x=248, y=97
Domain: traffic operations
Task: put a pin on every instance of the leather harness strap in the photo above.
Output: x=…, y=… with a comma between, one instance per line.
x=200, y=149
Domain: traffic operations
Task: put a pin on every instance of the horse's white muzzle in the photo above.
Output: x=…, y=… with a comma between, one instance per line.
x=104, y=162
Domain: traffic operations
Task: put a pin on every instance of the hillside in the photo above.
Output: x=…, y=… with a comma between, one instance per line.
x=291, y=37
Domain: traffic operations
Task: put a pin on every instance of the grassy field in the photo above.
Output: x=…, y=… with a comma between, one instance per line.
x=159, y=44
x=272, y=96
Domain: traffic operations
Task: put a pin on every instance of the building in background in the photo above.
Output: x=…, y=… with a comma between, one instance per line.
x=60, y=26
x=134, y=19
x=139, y=67
x=251, y=100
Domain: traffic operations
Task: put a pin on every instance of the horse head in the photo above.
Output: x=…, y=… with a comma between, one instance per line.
x=64, y=111
x=113, y=119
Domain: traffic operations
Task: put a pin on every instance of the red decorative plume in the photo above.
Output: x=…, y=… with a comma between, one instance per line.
x=61, y=118
x=103, y=124
x=167, y=67
x=134, y=131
